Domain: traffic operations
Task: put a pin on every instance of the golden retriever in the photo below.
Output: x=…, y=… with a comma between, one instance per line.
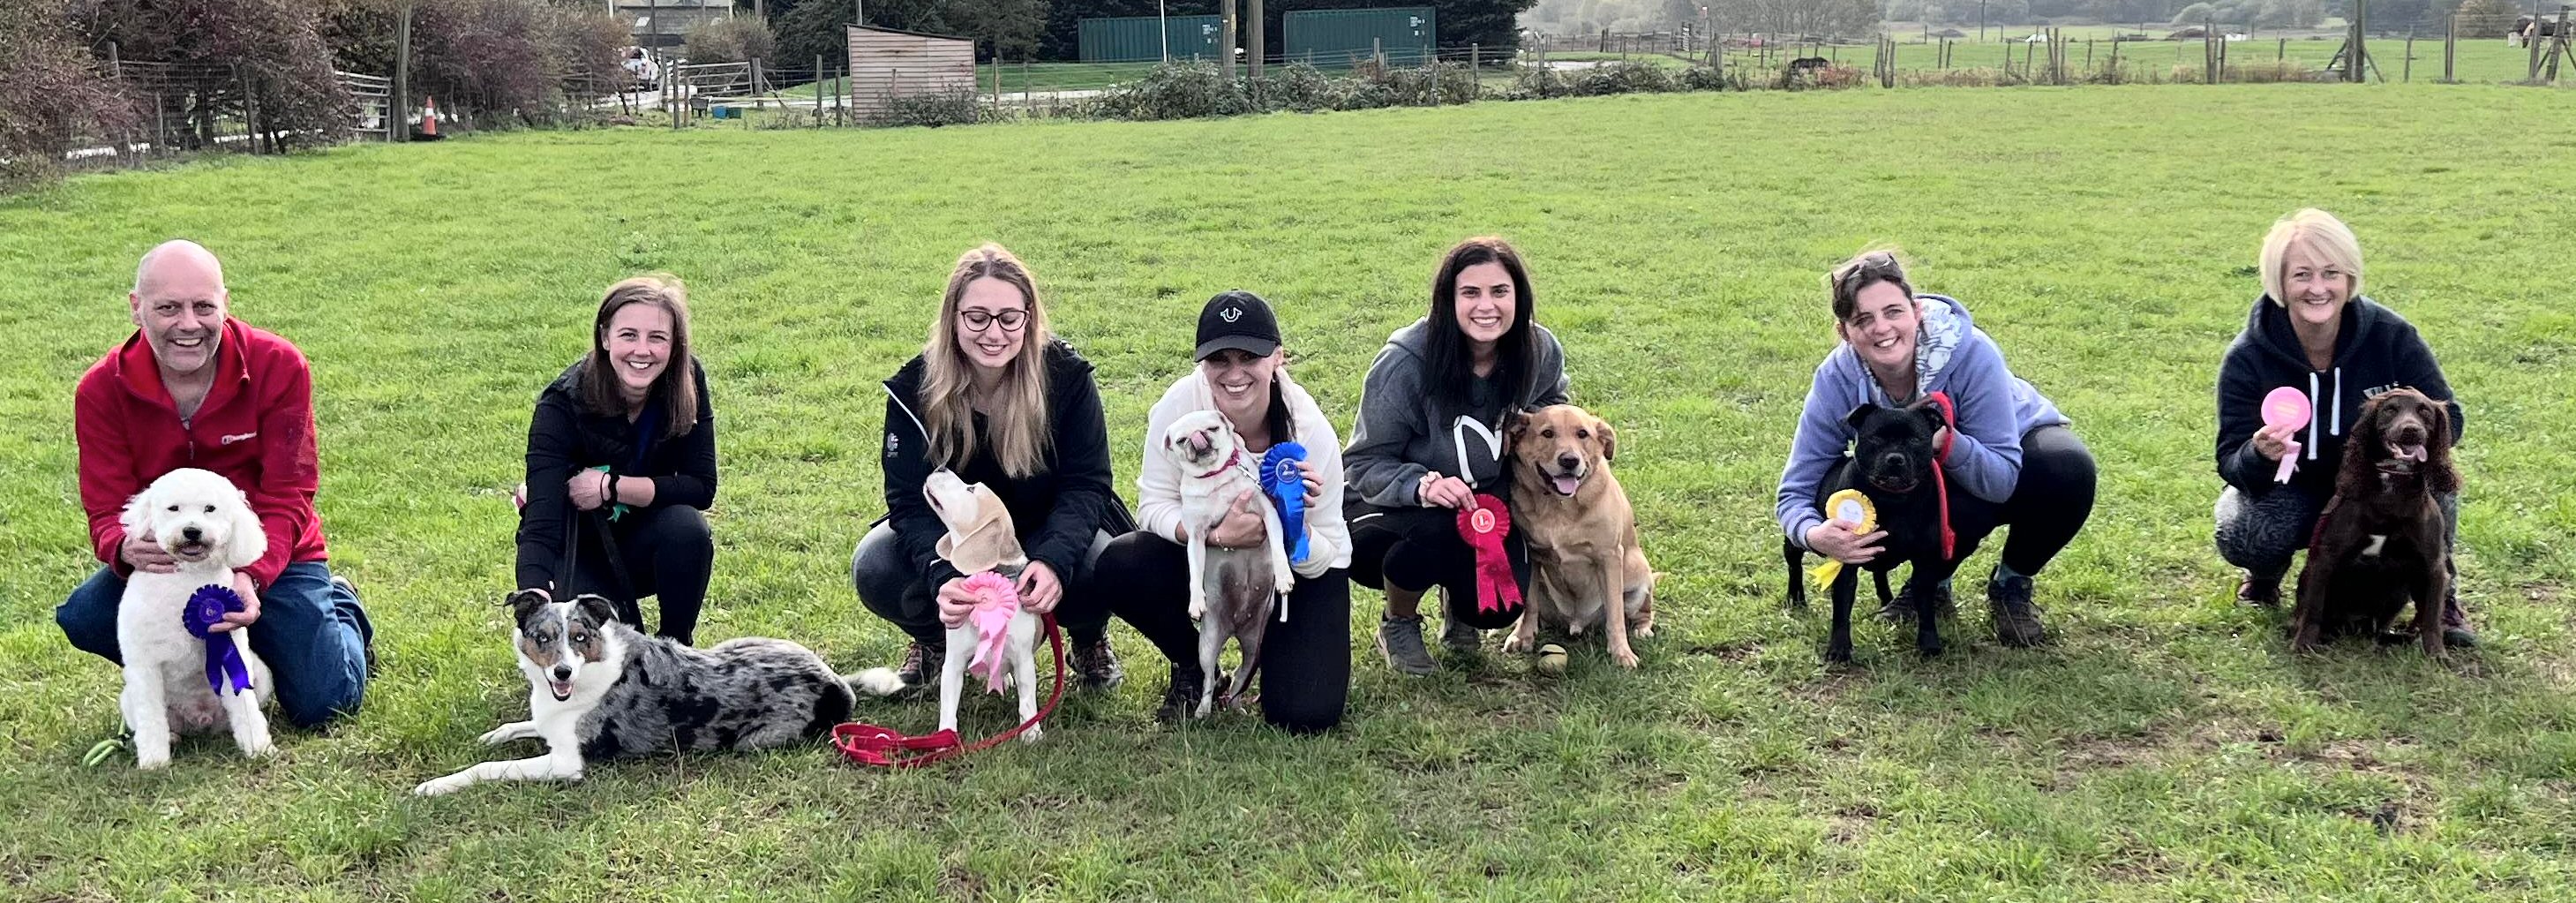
x=1581, y=532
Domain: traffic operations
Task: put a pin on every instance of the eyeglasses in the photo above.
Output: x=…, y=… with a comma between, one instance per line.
x=978, y=321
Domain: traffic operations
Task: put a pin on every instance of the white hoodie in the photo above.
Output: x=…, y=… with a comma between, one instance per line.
x=1158, y=483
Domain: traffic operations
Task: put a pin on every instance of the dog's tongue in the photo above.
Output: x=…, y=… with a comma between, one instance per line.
x=2413, y=453
x=562, y=690
x=1566, y=485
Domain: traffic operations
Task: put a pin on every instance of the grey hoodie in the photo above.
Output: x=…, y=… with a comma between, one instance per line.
x=1396, y=441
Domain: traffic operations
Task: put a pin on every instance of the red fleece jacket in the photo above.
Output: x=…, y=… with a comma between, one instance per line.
x=255, y=428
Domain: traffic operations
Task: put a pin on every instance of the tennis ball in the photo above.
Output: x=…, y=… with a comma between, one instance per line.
x=1551, y=660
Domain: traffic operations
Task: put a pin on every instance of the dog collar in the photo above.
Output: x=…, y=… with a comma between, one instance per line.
x=1230, y=461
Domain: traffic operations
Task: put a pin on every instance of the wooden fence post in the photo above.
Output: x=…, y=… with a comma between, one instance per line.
x=2409, y=71
x=2450, y=44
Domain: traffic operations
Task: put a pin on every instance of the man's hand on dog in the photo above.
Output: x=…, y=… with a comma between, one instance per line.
x=145, y=554
x=250, y=606
x=1834, y=539
x=2273, y=442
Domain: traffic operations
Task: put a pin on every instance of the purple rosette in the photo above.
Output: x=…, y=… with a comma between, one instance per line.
x=206, y=608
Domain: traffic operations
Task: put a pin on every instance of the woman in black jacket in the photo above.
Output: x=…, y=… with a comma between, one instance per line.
x=998, y=399
x=622, y=454
x=2312, y=331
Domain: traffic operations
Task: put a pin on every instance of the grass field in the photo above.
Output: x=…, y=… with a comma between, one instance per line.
x=2164, y=749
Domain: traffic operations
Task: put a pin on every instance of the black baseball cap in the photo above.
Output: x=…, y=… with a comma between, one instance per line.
x=1237, y=320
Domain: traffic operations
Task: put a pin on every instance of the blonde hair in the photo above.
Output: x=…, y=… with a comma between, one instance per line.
x=2325, y=237
x=1016, y=412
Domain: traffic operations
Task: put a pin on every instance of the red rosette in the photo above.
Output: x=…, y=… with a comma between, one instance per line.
x=1483, y=527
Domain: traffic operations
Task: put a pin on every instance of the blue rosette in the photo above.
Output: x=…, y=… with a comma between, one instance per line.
x=1286, y=487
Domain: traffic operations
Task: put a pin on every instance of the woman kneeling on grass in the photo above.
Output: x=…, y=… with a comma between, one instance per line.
x=998, y=399
x=2012, y=459
x=1306, y=661
x=1451, y=377
x=622, y=453
x=2313, y=331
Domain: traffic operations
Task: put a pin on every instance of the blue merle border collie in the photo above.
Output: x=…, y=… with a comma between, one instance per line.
x=598, y=689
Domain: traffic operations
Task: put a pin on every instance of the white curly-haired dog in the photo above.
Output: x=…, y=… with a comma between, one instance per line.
x=204, y=522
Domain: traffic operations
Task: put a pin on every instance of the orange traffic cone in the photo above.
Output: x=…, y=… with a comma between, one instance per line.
x=429, y=117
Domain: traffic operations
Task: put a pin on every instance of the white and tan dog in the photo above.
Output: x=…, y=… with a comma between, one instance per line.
x=980, y=538
x=203, y=521
x=1232, y=591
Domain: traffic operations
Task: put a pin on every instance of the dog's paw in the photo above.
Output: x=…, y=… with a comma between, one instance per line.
x=1035, y=733
x=514, y=731
x=260, y=748
x=1198, y=609
x=440, y=786
x=1626, y=657
x=152, y=761
x=1518, y=643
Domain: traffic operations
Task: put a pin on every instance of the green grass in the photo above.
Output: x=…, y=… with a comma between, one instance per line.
x=2165, y=749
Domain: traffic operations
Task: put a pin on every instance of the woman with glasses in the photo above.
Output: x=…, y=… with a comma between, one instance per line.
x=2011, y=460
x=998, y=399
x=1429, y=441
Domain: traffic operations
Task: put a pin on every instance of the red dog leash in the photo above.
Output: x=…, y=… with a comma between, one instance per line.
x=1940, y=480
x=869, y=744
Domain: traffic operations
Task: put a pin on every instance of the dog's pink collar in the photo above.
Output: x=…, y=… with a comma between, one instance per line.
x=1230, y=462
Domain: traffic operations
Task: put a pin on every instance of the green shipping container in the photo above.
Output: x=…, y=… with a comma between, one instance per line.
x=1410, y=35
x=1129, y=39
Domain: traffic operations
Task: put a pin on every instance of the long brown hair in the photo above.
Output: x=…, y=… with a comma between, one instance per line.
x=1016, y=413
x=1448, y=361
x=677, y=388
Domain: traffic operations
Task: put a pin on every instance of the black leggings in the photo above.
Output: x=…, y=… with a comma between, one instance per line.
x=668, y=553
x=1415, y=549
x=2049, y=504
x=1305, y=663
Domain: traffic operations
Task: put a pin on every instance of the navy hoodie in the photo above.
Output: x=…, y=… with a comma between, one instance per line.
x=2375, y=351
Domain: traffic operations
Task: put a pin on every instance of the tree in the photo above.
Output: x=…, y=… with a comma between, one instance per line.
x=275, y=46
x=1000, y=27
x=2487, y=18
x=53, y=94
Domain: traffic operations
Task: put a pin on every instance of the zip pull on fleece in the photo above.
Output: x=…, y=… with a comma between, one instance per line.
x=2312, y=416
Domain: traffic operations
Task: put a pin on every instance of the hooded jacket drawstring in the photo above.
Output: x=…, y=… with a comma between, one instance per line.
x=2313, y=414
x=2338, y=400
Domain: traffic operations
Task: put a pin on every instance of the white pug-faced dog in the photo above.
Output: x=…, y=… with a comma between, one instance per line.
x=980, y=539
x=1232, y=591
x=203, y=521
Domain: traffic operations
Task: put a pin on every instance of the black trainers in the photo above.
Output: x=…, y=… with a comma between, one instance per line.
x=1181, y=694
x=920, y=668
x=1902, y=608
x=2016, y=619
x=342, y=584
x=1400, y=640
x=1459, y=637
x=2257, y=592
x=1097, y=665
x=2455, y=626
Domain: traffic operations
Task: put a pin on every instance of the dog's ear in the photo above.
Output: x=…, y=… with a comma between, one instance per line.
x=1515, y=424
x=248, y=540
x=137, y=518
x=2358, y=447
x=1860, y=414
x=598, y=609
x=1931, y=414
x=2439, y=474
x=1608, y=438
x=525, y=602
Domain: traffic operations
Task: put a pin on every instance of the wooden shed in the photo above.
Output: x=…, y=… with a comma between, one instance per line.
x=886, y=64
